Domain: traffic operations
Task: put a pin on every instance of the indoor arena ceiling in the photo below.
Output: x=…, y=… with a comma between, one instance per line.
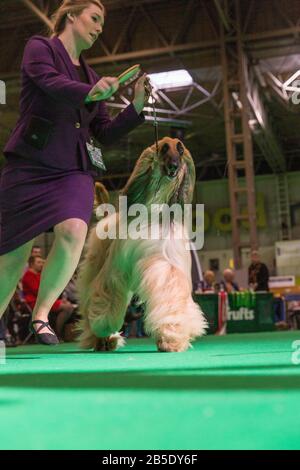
x=164, y=35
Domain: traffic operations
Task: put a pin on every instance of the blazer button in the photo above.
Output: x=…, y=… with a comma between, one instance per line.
x=77, y=125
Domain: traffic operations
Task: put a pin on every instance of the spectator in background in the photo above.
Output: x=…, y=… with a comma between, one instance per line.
x=31, y=279
x=5, y=335
x=36, y=250
x=134, y=313
x=2, y=329
x=258, y=273
x=70, y=292
x=197, y=276
x=228, y=283
x=209, y=282
x=62, y=309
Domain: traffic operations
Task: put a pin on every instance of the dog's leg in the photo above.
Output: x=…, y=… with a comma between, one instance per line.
x=95, y=256
x=173, y=319
x=110, y=343
x=106, y=311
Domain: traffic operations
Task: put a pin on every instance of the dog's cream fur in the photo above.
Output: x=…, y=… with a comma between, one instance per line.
x=158, y=271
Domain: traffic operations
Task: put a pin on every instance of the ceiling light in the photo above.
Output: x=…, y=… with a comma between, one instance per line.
x=172, y=79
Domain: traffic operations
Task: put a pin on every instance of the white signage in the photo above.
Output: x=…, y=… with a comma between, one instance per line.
x=288, y=258
x=2, y=353
x=241, y=314
x=2, y=92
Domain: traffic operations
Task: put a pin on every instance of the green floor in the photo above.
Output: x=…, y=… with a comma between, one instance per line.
x=230, y=392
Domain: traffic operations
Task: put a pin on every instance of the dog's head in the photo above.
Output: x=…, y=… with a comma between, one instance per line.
x=166, y=177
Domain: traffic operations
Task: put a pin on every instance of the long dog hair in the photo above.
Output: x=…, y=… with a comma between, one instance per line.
x=157, y=270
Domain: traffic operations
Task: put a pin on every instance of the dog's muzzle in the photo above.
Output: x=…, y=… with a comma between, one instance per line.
x=172, y=169
x=172, y=159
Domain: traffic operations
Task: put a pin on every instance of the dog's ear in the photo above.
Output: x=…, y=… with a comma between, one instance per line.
x=189, y=178
x=136, y=187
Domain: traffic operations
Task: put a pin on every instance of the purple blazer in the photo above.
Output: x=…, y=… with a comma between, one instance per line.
x=54, y=123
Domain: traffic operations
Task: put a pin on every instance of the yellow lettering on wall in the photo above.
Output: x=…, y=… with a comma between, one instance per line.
x=260, y=212
x=222, y=219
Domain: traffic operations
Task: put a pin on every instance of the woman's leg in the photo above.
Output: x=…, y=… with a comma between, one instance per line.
x=61, y=263
x=11, y=269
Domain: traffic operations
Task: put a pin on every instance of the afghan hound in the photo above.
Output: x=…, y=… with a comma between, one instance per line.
x=157, y=269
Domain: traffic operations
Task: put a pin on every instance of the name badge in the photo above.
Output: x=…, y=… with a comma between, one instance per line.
x=95, y=155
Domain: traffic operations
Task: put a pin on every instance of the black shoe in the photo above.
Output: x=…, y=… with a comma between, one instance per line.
x=43, y=338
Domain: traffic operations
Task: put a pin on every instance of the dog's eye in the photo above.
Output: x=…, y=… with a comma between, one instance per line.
x=180, y=148
x=164, y=149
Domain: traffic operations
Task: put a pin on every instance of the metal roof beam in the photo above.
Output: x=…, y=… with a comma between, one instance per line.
x=203, y=45
x=29, y=4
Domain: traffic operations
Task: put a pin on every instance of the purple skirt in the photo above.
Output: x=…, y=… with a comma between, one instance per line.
x=34, y=199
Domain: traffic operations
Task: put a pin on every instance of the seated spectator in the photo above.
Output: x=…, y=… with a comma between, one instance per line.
x=70, y=292
x=258, y=273
x=197, y=276
x=18, y=317
x=5, y=335
x=209, y=282
x=36, y=250
x=228, y=283
x=2, y=329
x=62, y=309
x=134, y=313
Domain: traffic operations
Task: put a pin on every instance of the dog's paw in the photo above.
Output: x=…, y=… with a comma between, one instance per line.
x=100, y=344
x=115, y=341
x=110, y=343
x=165, y=346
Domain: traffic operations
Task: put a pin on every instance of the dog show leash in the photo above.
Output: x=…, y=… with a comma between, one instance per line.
x=149, y=94
x=131, y=75
x=126, y=78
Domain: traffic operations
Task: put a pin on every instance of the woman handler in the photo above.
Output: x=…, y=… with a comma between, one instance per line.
x=48, y=177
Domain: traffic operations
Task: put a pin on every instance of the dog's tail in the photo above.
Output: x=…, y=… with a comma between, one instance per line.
x=101, y=196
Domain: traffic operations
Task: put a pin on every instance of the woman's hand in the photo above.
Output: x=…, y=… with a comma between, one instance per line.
x=140, y=93
x=103, y=89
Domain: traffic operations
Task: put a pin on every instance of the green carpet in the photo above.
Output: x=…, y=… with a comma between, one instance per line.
x=231, y=392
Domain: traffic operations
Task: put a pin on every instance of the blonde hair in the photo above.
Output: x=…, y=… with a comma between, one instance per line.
x=74, y=7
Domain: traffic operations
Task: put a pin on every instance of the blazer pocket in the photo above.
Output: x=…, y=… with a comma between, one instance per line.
x=38, y=132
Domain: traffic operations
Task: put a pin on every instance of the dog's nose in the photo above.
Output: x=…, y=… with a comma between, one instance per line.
x=172, y=167
x=171, y=157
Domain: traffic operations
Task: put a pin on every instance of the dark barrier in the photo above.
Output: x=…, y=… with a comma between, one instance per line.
x=247, y=311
